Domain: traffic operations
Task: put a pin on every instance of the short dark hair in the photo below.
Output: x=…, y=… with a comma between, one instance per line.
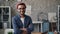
x=20, y=4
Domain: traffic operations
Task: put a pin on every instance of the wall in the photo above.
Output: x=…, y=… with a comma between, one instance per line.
x=38, y=6
x=42, y=6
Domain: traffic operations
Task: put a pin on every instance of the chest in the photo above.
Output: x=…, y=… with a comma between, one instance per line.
x=25, y=21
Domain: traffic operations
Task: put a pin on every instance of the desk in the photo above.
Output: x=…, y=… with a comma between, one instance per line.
x=36, y=33
x=38, y=25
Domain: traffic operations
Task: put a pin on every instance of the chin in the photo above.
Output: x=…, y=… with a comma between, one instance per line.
x=22, y=14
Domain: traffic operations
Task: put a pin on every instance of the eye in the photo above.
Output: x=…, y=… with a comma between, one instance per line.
x=22, y=8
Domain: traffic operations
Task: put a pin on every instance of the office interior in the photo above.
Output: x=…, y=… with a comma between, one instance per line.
x=45, y=15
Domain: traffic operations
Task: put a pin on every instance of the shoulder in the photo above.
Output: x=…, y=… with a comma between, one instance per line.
x=27, y=16
x=15, y=17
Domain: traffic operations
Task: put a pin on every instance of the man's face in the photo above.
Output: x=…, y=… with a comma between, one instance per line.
x=21, y=9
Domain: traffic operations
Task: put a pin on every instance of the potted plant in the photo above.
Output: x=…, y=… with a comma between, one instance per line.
x=10, y=32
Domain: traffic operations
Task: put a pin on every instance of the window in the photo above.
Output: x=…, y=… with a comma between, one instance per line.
x=5, y=17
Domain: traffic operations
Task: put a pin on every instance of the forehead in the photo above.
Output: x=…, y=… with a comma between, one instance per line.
x=21, y=6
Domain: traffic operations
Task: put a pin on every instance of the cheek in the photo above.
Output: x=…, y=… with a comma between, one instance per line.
x=18, y=10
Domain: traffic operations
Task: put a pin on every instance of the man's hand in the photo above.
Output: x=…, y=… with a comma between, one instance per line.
x=24, y=32
x=24, y=29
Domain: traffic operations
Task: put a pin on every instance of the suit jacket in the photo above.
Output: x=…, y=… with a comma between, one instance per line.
x=17, y=24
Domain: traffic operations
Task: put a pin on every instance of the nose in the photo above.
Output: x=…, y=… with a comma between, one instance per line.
x=22, y=10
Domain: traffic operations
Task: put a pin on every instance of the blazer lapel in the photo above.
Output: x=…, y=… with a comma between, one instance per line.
x=25, y=22
x=20, y=22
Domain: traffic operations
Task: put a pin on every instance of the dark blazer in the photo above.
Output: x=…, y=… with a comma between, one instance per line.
x=17, y=24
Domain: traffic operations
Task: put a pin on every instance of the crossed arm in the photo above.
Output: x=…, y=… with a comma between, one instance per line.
x=30, y=27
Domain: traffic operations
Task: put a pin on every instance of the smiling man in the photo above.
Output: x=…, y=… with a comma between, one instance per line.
x=22, y=23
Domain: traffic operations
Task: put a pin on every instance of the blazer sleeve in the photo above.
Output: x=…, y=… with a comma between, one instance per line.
x=15, y=26
x=30, y=26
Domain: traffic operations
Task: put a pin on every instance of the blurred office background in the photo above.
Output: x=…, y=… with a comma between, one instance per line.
x=44, y=13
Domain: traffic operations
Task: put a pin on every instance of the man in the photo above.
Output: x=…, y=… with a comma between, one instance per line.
x=22, y=23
